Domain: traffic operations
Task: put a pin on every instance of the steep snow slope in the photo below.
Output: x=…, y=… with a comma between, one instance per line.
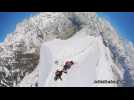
x=92, y=62
x=64, y=35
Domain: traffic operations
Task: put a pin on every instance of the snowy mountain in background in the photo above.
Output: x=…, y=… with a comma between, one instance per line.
x=28, y=55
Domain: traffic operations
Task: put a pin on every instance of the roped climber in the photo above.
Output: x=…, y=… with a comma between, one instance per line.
x=67, y=66
x=58, y=75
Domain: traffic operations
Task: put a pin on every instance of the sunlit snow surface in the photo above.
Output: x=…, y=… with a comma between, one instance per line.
x=92, y=62
x=62, y=36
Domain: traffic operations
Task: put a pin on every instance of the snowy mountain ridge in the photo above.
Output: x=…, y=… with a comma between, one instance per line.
x=52, y=31
x=81, y=53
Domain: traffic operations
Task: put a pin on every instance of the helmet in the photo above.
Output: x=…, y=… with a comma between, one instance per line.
x=67, y=62
x=71, y=62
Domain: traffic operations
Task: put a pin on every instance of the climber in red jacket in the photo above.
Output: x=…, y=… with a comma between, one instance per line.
x=67, y=66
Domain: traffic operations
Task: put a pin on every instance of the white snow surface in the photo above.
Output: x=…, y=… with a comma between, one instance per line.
x=92, y=60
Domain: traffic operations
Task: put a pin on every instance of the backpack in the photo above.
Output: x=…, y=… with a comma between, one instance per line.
x=58, y=73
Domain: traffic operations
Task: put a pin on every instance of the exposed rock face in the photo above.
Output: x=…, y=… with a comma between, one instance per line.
x=19, y=53
x=20, y=50
x=16, y=63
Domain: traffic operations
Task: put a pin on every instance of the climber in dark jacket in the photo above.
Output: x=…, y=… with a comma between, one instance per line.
x=67, y=66
x=58, y=75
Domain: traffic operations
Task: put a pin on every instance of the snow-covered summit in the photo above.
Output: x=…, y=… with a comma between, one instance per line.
x=48, y=36
x=82, y=48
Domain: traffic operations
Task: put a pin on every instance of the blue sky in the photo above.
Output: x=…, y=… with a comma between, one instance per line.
x=123, y=22
x=8, y=21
